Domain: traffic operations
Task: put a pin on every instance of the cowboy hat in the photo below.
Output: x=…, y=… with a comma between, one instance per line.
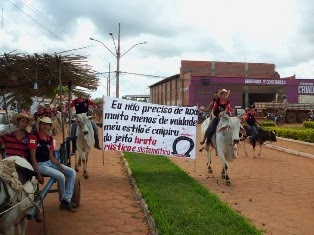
x=16, y=117
x=223, y=91
x=45, y=120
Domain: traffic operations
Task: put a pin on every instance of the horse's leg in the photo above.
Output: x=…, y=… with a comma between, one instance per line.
x=245, y=148
x=76, y=160
x=260, y=150
x=82, y=156
x=224, y=163
x=86, y=176
x=10, y=230
x=22, y=226
x=224, y=173
x=228, y=182
x=208, y=153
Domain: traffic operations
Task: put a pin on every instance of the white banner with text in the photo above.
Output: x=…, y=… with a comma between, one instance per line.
x=133, y=126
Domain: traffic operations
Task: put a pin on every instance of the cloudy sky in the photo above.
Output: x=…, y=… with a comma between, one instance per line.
x=269, y=31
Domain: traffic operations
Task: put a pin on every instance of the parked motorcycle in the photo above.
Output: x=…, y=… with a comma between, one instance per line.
x=278, y=119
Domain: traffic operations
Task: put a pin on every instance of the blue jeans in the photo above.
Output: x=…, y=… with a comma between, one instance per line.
x=254, y=133
x=212, y=130
x=65, y=182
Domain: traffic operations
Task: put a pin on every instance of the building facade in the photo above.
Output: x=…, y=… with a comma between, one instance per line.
x=248, y=82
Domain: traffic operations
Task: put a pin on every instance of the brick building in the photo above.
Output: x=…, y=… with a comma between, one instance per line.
x=248, y=82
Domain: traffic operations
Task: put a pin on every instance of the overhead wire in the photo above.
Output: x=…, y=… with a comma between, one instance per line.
x=37, y=22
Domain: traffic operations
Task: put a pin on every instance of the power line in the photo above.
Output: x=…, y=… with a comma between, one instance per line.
x=138, y=74
x=41, y=25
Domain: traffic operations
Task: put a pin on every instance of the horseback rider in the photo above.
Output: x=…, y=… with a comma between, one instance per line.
x=251, y=121
x=81, y=105
x=219, y=105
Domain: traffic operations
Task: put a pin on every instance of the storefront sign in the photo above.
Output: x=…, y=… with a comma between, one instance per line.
x=265, y=81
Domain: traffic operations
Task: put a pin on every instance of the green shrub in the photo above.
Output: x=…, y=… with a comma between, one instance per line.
x=309, y=124
x=268, y=124
x=306, y=135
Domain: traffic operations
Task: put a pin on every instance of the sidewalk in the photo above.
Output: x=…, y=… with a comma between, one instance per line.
x=108, y=203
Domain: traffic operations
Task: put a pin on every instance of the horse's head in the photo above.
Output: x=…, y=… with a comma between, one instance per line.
x=232, y=126
x=272, y=135
x=82, y=123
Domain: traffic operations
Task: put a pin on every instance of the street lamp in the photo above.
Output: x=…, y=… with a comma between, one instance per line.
x=117, y=55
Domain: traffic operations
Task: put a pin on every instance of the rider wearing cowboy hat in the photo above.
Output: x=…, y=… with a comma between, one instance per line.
x=251, y=121
x=220, y=105
x=81, y=105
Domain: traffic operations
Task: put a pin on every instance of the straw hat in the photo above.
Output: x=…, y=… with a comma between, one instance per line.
x=16, y=117
x=45, y=120
x=223, y=91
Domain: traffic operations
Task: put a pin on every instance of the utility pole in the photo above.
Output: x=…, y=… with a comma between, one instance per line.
x=118, y=55
x=118, y=65
x=109, y=81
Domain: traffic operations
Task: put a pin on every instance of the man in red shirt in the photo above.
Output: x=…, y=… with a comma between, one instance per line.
x=81, y=105
x=40, y=112
x=48, y=111
x=16, y=143
x=41, y=151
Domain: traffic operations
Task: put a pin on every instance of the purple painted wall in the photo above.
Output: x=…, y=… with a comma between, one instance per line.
x=202, y=88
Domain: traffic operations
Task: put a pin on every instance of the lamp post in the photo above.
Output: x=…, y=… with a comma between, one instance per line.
x=118, y=55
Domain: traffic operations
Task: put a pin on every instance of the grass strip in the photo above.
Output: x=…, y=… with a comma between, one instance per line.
x=181, y=205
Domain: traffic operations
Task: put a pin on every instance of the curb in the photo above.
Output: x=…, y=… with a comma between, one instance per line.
x=296, y=141
x=139, y=198
x=307, y=155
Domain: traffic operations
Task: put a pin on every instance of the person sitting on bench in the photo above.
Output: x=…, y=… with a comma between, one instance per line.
x=41, y=151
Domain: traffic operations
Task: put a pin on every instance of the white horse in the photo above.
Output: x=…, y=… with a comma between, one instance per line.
x=224, y=141
x=15, y=198
x=84, y=142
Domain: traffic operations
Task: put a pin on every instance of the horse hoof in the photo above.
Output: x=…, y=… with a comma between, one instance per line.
x=76, y=169
x=210, y=170
x=228, y=182
x=86, y=176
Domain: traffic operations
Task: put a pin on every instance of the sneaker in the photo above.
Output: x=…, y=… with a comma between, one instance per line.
x=64, y=205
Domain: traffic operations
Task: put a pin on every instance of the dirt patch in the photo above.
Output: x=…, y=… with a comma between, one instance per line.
x=275, y=191
x=108, y=202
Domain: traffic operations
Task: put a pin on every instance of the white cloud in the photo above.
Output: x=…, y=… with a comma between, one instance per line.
x=279, y=32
